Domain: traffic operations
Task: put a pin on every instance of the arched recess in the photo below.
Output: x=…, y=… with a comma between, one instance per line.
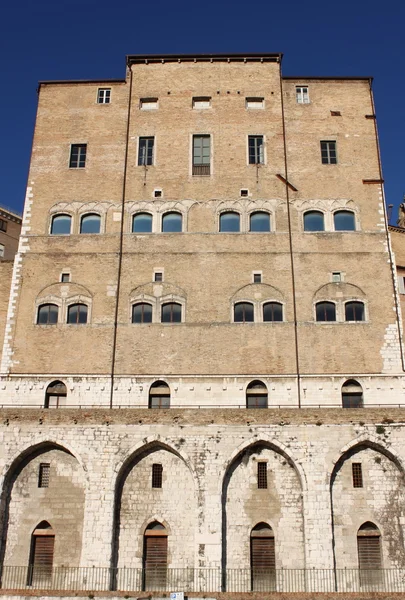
x=245, y=503
x=367, y=485
x=25, y=502
x=137, y=500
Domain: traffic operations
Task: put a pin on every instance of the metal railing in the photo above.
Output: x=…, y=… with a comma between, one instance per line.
x=270, y=407
x=201, y=579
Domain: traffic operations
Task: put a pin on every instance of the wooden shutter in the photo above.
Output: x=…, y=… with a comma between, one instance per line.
x=155, y=562
x=369, y=551
x=263, y=561
x=42, y=558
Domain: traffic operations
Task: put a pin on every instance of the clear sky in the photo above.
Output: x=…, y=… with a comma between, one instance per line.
x=88, y=39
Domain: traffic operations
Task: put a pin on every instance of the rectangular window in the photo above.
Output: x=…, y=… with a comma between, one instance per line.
x=301, y=93
x=1, y=251
x=256, y=150
x=357, y=475
x=336, y=277
x=145, y=154
x=157, y=472
x=148, y=103
x=257, y=277
x=262, y=475
x=158, y=276
x=328, y=153
x=78, y=156
x=43, y=476
x=255, y=103
x=201, y=155
x=3, y=225
x=103, y=95
x=202, y=102
x=65, y=277
x=401, y=284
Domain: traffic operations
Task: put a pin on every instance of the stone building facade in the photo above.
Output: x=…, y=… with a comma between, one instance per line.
x=204, y=287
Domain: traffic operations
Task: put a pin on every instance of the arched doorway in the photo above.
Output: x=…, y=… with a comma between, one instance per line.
x=262, y=558
x=155, y=557
x=41, y=554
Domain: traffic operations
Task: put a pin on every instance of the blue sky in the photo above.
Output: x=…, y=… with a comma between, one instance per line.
x=79, y=39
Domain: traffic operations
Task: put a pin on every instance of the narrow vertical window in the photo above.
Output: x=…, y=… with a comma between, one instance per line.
x=262, y=475
x=328, y=153
x=43, y=475
x=103, y=95
x=352, y=394
x=78, y=156
x=56, y=394
x=302, y=95
x=3, y=225
x=145, y=152
x=357, y=475
x=256, y=150
x=201, y=155
x=157, y=475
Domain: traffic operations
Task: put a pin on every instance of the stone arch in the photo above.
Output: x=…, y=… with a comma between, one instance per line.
x=163, y=508
x=12, y=500
x=267, y=505
x=338, y=291
x=379, y=499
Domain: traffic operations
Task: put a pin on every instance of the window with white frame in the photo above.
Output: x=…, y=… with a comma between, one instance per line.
x=301, y=94
x=401, y=284
x=145, y=151
x=148, y=103
x=1, y=250
x=255, y=102
x=202, y=102
x=201, y=155
x=103, y=95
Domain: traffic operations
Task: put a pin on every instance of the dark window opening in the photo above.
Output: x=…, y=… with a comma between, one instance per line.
x=104, y=95
x=354, y=311
x=77, y=314
x=158, y=276
x=90, y=223
x=142, y=223
x=243, y=312
x=142, y=313
x=325, y=311
x=157, y=475
x=352, y=394
x=43, y=475
x=171, y=312
x=229, y=222
x=47, y=314
x=272, y=311
x=262, y=475
x=314, y=221
x=256, y=395
x=357, y=475
x=328, y=153
x=260, y=222
x=3, y=225
x=344, y=220
x=145, y=153
x=65, y=277
x=61, y=225
x=78, y=156
x=56, y=394
x=256, y=149
x=159, y=395
x=257, y=277
x=201, y=155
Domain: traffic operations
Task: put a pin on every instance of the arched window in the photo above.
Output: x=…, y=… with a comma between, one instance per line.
x=272, y=311
x=142, y=223
x=55, y=396
x=314, y=221
x=172, y=222
x=344, y=220
x=256, y=395
x=243, y=312
x=260, y=221
x=90, y=223
x=155, y=557
x=262, y=558
x=159, y=395
x=142, y=313
x=354, y=311
x=352, y=394
x=171, y=312
x=47, y=314
x=41, y=554
x=77, y=314
x=325, y=311
x=61, y=225
x=369, y=554
x=229, y=222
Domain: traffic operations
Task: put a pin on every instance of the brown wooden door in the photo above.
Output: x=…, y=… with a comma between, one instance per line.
x=155, y=562
x=42, y=562
x=369, y=551
x=263, y=562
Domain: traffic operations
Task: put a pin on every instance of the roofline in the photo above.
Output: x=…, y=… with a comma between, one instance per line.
x=69, y=81
x=255, y=56
x=341, y=77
